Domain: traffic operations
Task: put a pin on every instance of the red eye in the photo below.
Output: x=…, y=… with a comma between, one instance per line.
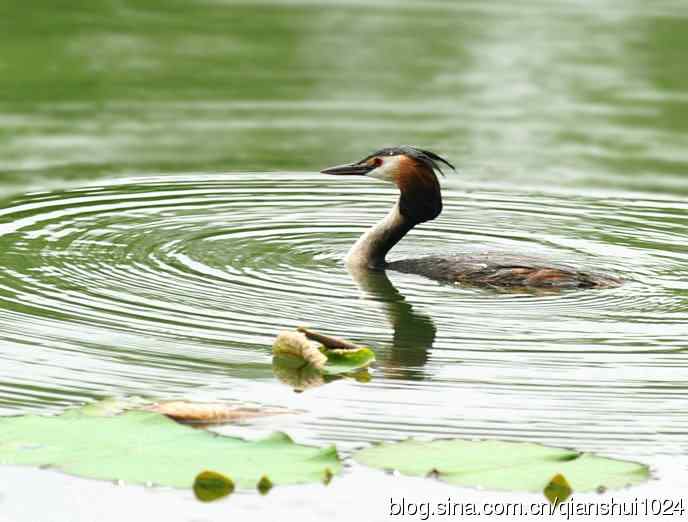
x=378, y=161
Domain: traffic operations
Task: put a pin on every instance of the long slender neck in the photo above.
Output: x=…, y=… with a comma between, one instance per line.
x=370, y=249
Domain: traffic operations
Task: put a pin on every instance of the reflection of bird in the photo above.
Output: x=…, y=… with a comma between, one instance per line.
x=412, y=170
x=414, y=332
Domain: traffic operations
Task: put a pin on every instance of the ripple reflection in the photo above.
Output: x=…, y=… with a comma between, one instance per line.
x=175, y=287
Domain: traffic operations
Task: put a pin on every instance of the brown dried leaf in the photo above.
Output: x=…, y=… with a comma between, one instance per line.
x=297, y=345
x=208, y=413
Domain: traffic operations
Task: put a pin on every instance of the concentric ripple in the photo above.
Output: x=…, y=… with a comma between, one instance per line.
x=176, y=286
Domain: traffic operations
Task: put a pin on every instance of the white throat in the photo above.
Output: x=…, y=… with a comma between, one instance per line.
x=370, y=249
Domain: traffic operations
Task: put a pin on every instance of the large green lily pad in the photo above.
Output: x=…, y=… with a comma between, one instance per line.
x=145, y=447
x=499, y=465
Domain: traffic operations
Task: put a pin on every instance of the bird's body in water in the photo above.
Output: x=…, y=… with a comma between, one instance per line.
x=412, y=170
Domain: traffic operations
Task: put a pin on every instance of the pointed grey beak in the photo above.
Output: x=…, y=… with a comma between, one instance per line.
x=352, y=169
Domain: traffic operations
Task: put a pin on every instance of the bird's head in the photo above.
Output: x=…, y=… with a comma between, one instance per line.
x=409, y=168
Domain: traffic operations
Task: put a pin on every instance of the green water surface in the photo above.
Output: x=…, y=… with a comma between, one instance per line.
x=162, y=218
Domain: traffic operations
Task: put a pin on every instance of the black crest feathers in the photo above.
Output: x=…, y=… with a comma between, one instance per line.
x=430, y=159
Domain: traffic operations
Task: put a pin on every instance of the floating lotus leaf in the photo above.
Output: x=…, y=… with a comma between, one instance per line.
x=146, y=447
x=346, y=361
x=499, y=465
x=293, y=350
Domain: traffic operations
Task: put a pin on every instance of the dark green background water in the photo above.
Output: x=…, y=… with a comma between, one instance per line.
x=161, y=219
x=558, y=92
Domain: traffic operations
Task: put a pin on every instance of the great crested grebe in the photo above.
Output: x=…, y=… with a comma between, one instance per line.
x=412, y=170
